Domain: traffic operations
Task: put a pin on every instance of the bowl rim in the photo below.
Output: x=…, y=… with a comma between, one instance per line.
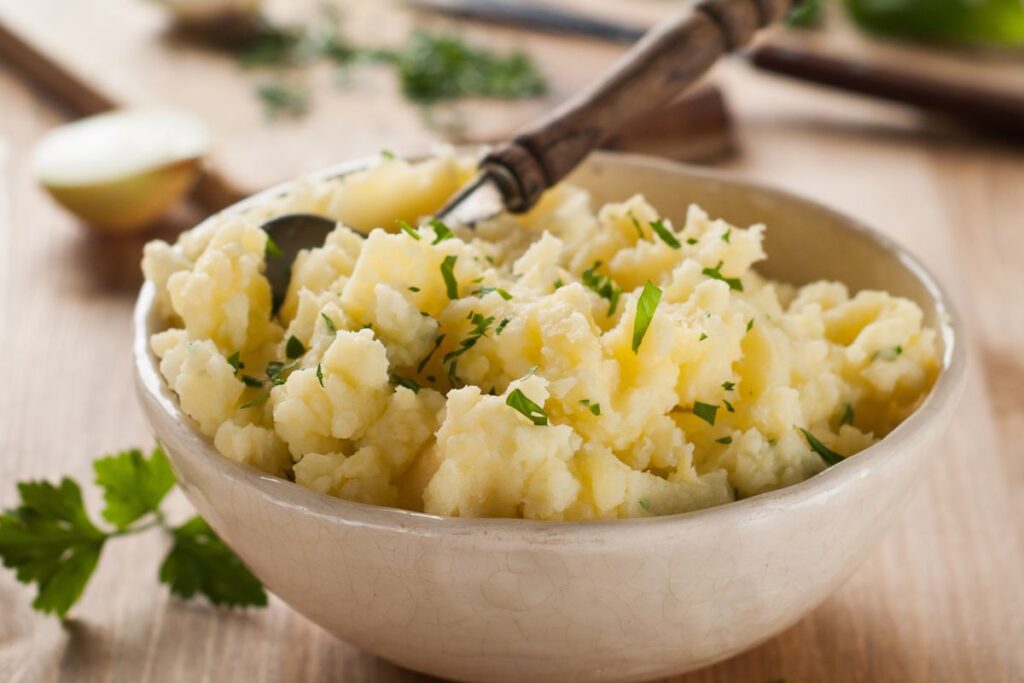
x=947, y=388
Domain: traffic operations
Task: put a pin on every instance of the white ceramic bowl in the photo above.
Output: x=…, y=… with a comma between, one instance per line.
x=512, y=600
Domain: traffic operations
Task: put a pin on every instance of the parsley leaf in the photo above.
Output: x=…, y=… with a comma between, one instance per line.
x=636, y=224
x=645, y=504
x=272, y=249
x=728, y=406
x=727, y=235
x=441, y=231
x=50, y=540
x=706, y=412
x=235, y=361
x=750, y=324
x=603, y=285
x=728, y=386
x=645, y=308
x=319, y=374
x=133, y=485
x=400, y=381
x=828, y=455
x=481, y=325
x=847, y=417
x=726, y=440
x=533, y=412
x=692, y=240
x=483, y=291
x=407, y=229
x=423, y=363
x=294, y=348
x=329, y=324
x=501, y=326
x=702, y=337
x=199, y=562
x=665, y=234
x=448, y=273
x=595, y=408
x=716, y=274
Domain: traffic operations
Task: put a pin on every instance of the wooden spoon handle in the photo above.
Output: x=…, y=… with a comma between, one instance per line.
x=671, y=57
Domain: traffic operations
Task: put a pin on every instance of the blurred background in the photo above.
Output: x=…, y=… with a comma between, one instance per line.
x=906, y=114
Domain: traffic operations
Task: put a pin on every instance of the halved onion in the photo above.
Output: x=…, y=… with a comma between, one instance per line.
x=121, y=170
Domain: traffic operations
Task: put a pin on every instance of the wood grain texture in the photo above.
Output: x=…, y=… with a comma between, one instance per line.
x=941, y=599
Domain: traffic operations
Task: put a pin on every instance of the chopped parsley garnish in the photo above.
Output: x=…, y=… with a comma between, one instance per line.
x=727, y=235
x=501, y=326
x=595, y=408
x=400, y=381
x=636, y=224
x=728, y=386
x=645, y=307
x=250, y=381
x=453, y=378
x=692, y=240
x=716, y=274
x=329, y=324
x=702, y=337
x=283, y=99
x=750, y=324
x=706, y=412
x=558, y=284
x=828, y=455
x=294, y=348
x=272, y=249
x=847, y=417
x=728, y=406
x=448, y=273
x=645, y=504
x=665, y=234
x=319, y=374
x=533, y=412
x=387, y=154
x=888, y=354
x=423, y=363
x=726, y=440
x=235, y=361
x=441, y=231
x=480, y=327
x=407, y=229
x=483, y=291
x=277, y=372
x=603, y=285
x=258, y=401
x=414, y=289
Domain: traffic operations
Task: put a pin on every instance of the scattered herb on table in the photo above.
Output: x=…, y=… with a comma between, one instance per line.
x=49, y=539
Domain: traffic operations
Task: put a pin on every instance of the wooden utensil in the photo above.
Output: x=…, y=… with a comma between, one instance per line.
x=670, y=57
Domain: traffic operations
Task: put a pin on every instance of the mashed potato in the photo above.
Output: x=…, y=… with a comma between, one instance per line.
x=558, y=365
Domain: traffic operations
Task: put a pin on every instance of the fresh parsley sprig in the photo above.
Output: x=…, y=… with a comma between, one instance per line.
x=50, y=540
x=645, y=307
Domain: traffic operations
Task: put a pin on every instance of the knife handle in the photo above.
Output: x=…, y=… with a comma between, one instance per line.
x=668, y=59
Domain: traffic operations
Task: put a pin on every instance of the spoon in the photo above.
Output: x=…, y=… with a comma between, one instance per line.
x=669, y=58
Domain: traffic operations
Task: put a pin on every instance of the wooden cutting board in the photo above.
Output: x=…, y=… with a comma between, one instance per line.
x=98, y=54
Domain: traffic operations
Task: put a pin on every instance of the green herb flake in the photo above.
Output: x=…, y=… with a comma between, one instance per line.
x=725, y=440
x=645, y=504
x=329, y=324
x=271, y=249
x=423, y=363
x=284, y=100
x=594, y=408
x=558, y=284
x=727, y=235
x=728, y=386
x=387, y=154
x=636, y=224
x=258, y=401
x=410, y=384
x=408, y=230
x=501, y=326
x=250, y=381
x=829, y=456
x=533, y=412
x=847, y=417
x=645, y=307
x=441, y=231
x=888, y=354
x=702, y=337
x=480, y=326
x=728, y=406
x=294, y=348
x=692, y=240
x=320, y=375
x=706, y=412
x=484, y=291
x=603, y=285
x=448, y=273
x=750, y=324
x=665, y=234
x=235, y=361
x=716, y=274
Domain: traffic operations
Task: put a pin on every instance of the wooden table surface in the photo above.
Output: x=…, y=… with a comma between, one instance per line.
x=941, y=599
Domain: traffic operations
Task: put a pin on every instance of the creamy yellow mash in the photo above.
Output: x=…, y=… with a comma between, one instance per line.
x=506, y=371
